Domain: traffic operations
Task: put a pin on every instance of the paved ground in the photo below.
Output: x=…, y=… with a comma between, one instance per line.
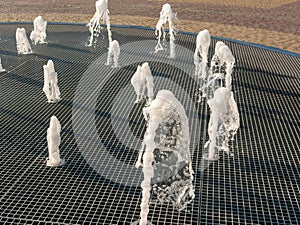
x=269, y=22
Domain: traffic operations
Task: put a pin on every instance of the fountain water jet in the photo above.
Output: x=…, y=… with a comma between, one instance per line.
x=221, y=67
x=113, y=54
x=166, y=15
x=222, y=59
x=146, y=73
x=38, y=35
x=50, y=83
x=228, y=58
x=142, y=81
x=1, y=68
x=23, y=45
x=223, y=124
x=138, y=83
x=201, y=54
x=101, y=14
x=166, y=163
x=53, y=139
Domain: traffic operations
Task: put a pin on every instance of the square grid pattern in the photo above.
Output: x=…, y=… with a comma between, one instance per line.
x=259, y=184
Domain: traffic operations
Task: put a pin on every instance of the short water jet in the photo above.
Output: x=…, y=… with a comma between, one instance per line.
x=53, y=139
x=142, y=82
x=23, y=45
x=51, y=83
x=38, y=35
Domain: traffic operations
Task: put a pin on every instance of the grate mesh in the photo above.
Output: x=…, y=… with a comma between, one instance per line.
x=102, y=131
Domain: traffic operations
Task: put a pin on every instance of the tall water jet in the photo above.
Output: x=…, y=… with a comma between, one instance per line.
x=1, y=67
x=221, y=68
x=53, y=140
x=222, y=63
x=101, y=14
x=142, y=82
x=223, y=124
x=166, y=15
x=201, y=54
x=23, y=45
x=113, y=54
x=38, y=35
x=51, y=83
x=167, y=165
x=228, y=58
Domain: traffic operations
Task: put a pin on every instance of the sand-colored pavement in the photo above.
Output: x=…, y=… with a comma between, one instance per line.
x=273, y=23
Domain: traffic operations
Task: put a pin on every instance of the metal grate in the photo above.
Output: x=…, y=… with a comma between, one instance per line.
x=102, y=131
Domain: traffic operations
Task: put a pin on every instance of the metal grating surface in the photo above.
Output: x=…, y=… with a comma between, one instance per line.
x=102, y=131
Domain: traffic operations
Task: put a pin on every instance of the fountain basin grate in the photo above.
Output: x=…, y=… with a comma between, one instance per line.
x=98, y=183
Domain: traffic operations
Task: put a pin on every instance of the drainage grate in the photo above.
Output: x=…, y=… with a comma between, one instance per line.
x=102, y=131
